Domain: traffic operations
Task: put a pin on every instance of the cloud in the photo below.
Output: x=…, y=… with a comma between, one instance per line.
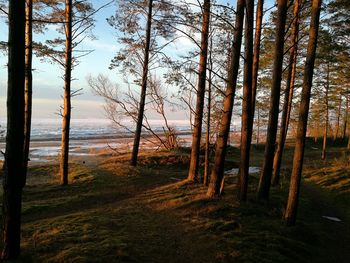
x=102, y=46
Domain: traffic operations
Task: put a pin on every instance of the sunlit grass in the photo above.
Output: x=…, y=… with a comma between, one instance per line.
x=335, y=176
x=112, y=212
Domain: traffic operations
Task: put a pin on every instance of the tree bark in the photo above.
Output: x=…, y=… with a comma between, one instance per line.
x=197, y=129
x=256, y=58
x=346, y=115
x=265, y=179
x=28, y=86
x=325, y=130
x=338, y=118
x=258, y=132
x=294, y=189
x=288, y=95
x=13, y=170
x=135, y=150
x=207, y=135
x=217, y=173
x=67, y=107
x=247, y=118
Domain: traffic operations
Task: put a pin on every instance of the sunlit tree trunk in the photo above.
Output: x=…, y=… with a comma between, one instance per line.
x=338, y=118
x=135, y=149
x=256, y=58
x=325, y=130
x=258, y=131
x=346, y=116
x=197, y=129
x=207, y=136
x=246, y=128
x=14, y=176
x=294, y=189
x=66, y=114
x=28, y=83
x=217, y=173
x=288, y=95
x=265, y=179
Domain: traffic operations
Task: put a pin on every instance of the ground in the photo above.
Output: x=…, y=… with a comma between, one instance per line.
x=112, y=212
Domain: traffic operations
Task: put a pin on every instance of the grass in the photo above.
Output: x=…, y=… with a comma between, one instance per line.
x=112, y=212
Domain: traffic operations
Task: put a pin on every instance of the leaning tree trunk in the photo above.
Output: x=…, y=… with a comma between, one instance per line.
x=265, y=179
x=288, y=95
x=207, y=135
x=294, y=189
x=14, y=176
x=247, y=128
x=197, y=130
x=28, y=87
x=325, y=131
x=67, y=107
x=135, y=149
x=217, y=173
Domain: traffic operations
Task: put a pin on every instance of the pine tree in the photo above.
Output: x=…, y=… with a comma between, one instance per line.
x=217, y=174
x=209, y=104
x=67, y=106
x=294, y=189
x=265, y=178
x=14, y=176
x=77, y=22
x=143, y=85
x=140, y=48
x=28, y=86
x=256, y=61
x=288, y=94
x=197, y=129
x=246, y=129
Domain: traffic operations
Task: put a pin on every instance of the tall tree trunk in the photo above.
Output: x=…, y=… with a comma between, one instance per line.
x=346, y=115
x=67, y=107
x=258, y=132
x=256, y=58
x=338, y=118
x=207, y=136
x=288, y=95
x=28, y=87
x=247, y=127
x=265, y=179
x=325, y=131
x=294, y=189
x=135, y=149
x=13, y=170
x=202, y=72
x=217, y=173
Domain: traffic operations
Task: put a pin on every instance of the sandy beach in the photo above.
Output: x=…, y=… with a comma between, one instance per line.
x=43, y=151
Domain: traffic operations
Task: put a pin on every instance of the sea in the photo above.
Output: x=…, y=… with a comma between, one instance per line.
x=87, y=137
x=50, y=129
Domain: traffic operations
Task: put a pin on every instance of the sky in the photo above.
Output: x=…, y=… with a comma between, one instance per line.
x=47, y=78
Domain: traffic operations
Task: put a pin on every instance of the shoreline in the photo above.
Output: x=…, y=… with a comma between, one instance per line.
x=44, y=150
x=48, y=150
x=96, y=137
